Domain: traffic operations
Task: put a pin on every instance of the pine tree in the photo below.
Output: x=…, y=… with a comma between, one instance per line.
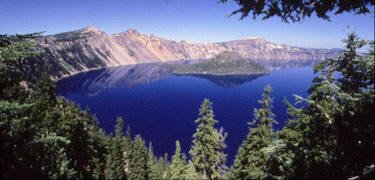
x=331, y=136
x=221, y=166
x=354, y=115
x=166, y=166
x=138, y=167
x=128, y=140
x=206, y=146
x=42, y=135
x=191, y=173
x=178, y=168
x=153, y=164
x=251, y=162
x=54, y=161
x=116, y=159
x=97, y=143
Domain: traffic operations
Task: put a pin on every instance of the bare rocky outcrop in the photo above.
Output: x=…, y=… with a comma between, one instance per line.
x=89, y=48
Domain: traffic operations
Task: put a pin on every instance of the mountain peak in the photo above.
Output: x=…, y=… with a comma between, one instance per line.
x=132, y=31
x=92, y=29
x=253, y=38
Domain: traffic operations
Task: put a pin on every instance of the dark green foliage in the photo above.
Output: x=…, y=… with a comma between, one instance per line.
x=207, y=149
x=54, y=160
x=138, y=163
x=97, y=145
x=191, y=173
x=251, y=162
x=43, y=136
x=162, y=169
x=17, y=47
x=15, y=50
x=64, y=142
x=159, y=168
x=152, y=164
x=115, y=165
x=332, y=136
x=164, y=165
x=296, y=11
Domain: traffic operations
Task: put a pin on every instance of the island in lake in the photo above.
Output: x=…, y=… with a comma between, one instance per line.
x=226, y=63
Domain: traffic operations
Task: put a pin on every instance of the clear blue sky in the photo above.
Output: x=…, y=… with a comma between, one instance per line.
x=202, y=21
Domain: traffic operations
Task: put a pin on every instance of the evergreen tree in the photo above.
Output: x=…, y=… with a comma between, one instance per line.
x=98, y=151
x=128, y=140
x=160, y=170
x=178, y=168
x=138, y=166
x=116, y=159
x=153, y=164
x=42, y=135
x=206, y=146
x=297, y=11
x=331, y=137
x=251, y=162
x=54, y=161
x=109, y=169
x=17, y=132
x=167, y=167
x=221, y=166
x=191, y=173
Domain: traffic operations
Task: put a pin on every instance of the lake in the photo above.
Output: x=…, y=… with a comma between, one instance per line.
x=162, y=107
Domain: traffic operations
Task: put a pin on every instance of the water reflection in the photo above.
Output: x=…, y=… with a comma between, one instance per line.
x=92, y=83
x=162, y=107
x=228, y=81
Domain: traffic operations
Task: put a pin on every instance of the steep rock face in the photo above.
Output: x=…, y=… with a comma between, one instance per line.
x=90, y=48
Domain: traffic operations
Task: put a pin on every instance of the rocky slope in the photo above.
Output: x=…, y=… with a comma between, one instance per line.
x=89, y=48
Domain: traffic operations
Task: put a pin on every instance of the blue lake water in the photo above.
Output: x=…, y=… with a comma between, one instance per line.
x=162, y=107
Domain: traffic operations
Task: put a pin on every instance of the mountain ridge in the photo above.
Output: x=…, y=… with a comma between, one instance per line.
x=90, y=48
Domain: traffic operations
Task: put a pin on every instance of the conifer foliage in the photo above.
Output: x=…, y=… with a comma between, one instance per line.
x=178, y=166
x=138, y=160
x=206, y=148
x=116, y=154
x=331, y=136
x=251, y=162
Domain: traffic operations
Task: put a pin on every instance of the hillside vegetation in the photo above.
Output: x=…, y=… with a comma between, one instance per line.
x=330, y=137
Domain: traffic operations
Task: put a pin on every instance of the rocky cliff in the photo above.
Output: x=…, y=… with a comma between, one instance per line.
x=89, y=48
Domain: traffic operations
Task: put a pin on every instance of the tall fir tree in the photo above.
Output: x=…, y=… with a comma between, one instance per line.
x=191, y=173
x=178, y=166
x=206, y=148
x=251, y=162
x=98, y=151
x=167, y=167
x=331, y=136
x=153, y=164
x=116, y=159
x=138, y=160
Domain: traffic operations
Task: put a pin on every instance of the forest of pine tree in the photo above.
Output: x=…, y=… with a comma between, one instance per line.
x=330, y=136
